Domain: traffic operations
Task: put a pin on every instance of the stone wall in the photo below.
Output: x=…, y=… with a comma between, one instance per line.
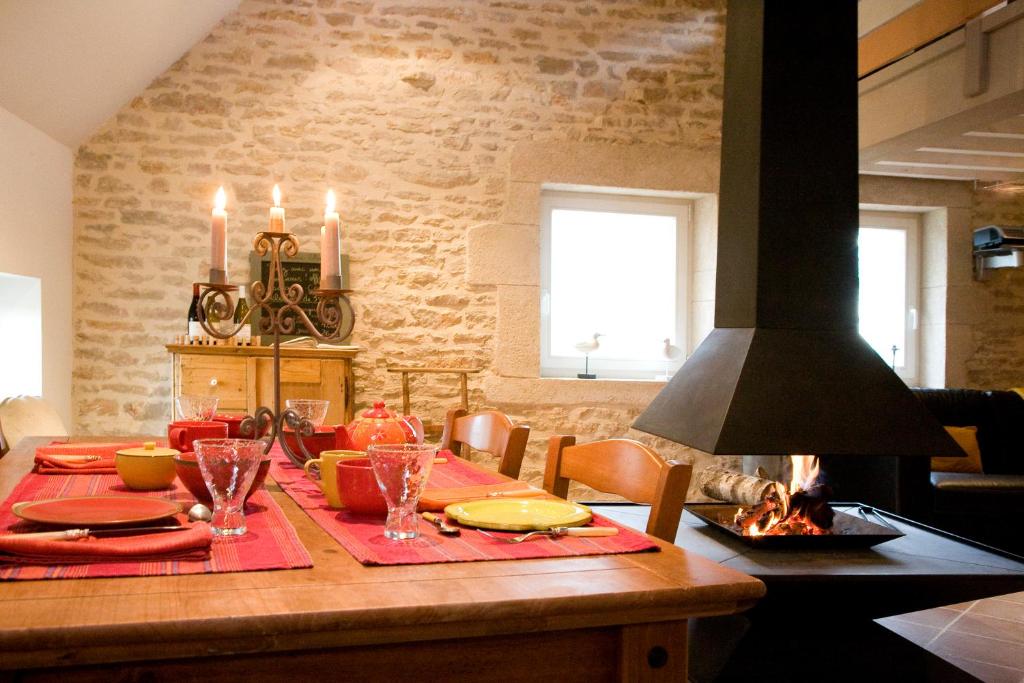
x=972, y=330
x=992, y=311
x=410, y=111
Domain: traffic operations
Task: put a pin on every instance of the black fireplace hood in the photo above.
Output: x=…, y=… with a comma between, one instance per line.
x=785, y=370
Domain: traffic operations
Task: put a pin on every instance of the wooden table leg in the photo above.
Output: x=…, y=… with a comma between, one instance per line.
x=406, y=408
x=464, y=390
x=653, y=652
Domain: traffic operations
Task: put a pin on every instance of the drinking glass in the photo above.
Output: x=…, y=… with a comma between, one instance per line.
x=229, y=467
x=196, y=408
x=312, y=409
x=401, y=471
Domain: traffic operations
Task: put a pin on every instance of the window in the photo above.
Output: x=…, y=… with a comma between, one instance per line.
x=21, y=320
x=614, y=265
x=889, y=285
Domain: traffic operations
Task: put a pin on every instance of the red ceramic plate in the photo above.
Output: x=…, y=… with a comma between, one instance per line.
x=91, y=511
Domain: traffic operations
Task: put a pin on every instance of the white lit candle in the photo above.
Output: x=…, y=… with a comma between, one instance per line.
x=277, y=212
x=219, y=233
x=330, y=244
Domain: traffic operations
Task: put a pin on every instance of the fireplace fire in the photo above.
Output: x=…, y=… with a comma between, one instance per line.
x=765, y=513
x=801, y=508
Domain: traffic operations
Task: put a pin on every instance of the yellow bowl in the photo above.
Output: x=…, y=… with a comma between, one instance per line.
x=147, y=468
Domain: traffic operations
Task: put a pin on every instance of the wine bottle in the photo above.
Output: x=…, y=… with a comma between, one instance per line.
x=241, y=310
x=195, y=329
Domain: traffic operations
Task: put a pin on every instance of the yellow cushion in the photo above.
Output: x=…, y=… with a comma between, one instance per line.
x=967, y=439
x=1019, y=390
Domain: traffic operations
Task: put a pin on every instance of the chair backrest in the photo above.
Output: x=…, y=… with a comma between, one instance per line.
x=626, y=468
x=489, y=431
x=29, y=416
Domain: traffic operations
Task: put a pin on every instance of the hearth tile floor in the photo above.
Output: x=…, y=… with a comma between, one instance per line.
x=984, y=638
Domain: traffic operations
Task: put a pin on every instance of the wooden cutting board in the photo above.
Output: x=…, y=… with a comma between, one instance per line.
x=436, y=500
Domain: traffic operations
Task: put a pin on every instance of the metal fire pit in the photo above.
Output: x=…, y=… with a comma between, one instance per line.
x=847, y=531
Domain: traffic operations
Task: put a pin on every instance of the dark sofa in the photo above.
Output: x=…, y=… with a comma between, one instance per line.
x=985, y=507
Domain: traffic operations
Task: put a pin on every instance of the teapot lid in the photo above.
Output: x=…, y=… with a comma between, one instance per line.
x=377, y=412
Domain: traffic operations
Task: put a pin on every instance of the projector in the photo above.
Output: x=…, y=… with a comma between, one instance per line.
x=998, y=236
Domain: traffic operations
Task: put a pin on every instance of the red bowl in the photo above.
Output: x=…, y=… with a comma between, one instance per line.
x=234, y=423
x=358, y=489
x=188, y=472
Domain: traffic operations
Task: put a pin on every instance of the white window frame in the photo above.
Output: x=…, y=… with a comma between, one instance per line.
x=615, y=201
x=910, y=224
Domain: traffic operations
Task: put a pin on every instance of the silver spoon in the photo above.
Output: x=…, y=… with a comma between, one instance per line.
x=199, y=513
x=442, y=526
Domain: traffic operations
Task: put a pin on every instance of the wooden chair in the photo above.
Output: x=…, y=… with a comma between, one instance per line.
x=626, y=468
x=489, y=431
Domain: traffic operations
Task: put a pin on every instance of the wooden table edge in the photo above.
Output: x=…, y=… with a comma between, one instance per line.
x=136, y=641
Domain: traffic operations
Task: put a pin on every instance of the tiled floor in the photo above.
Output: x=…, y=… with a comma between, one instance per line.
x=984, y=638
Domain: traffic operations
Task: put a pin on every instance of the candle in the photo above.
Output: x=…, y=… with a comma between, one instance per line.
x=219, y=233
x=330, y=244
x=277, y=212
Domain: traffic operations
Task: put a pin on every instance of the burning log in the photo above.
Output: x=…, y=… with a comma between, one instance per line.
x=813, y=506
x=736, y=487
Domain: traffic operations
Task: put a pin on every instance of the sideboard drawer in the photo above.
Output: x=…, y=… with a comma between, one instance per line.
x=300, y=371
x=216, y=376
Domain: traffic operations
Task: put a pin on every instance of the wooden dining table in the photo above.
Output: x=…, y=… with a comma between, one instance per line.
x=608, y=617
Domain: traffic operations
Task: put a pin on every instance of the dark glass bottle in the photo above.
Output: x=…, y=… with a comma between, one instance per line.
x=195, y=328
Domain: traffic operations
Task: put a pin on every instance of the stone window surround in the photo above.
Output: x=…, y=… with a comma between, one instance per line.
x=507, y=254
x=946, y=276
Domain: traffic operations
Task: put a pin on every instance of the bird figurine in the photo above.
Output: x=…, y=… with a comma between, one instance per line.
x=587, y=348
x=670, y=352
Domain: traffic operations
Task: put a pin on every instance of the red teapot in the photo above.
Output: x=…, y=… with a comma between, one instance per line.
x=380, y=425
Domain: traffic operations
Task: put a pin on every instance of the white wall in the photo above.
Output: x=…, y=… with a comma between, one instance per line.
x=35, y=240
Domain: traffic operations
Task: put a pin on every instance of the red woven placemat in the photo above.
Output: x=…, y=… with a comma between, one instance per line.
x=363, y=536
x=271, y=541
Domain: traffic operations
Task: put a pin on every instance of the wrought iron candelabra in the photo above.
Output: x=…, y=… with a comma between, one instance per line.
x=333, y=312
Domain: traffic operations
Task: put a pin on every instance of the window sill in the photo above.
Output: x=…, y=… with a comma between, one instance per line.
x=568, y=390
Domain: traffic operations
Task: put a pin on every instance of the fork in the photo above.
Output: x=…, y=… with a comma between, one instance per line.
x=558, y=531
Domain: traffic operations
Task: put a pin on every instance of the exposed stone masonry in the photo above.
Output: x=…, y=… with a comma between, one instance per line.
x=994, y=357
x=409, y=111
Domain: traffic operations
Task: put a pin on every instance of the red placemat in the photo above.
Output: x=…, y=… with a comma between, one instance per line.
x=271, y=542
x=363, y=536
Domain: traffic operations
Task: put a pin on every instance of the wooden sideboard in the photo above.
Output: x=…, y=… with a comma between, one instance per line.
x=243, y=376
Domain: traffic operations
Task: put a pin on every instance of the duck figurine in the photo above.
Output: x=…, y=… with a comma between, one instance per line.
x=587, y=348
x=671, y=353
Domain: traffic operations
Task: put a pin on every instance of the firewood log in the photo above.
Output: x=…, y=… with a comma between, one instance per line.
x=736, y=487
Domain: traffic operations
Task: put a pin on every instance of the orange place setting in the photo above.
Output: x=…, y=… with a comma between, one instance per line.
x=89, y=511
x=362, y=533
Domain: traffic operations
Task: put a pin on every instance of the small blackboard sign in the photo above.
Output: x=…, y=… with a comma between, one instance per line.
x=302, y=269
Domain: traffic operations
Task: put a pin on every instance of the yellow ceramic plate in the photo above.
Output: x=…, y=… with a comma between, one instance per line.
x=518, y=514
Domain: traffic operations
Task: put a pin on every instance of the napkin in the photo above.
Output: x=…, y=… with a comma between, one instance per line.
x=46, y=463
x=193, y=544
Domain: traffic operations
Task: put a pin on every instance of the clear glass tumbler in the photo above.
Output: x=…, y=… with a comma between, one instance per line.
x=402, y=471
x=312, y=409
x=229, y=467
x=196, y=408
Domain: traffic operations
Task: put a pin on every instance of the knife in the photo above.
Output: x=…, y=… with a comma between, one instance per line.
x=77, y=459
x=74, y=534
x=522, y=493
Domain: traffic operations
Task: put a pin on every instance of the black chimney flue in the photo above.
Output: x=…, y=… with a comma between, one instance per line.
x=785, y=370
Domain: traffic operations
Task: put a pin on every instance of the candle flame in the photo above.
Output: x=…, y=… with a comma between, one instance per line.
x=277, y=196
x=330, y=202
x=220, y=200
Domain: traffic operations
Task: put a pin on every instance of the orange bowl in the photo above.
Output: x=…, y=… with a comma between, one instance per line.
x=192, y=478
x=358, y=489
